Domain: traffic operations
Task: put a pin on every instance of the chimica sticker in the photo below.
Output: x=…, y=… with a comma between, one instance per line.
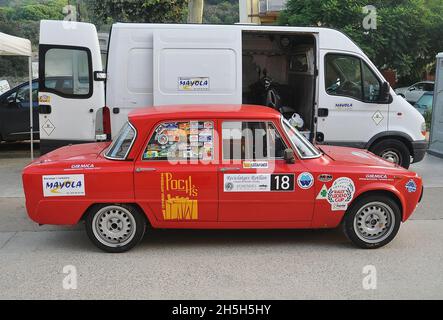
x=64, y=185
x=193, y=83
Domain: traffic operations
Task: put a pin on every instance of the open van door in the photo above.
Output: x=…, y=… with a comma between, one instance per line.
x=71, y=90
x=198, y=65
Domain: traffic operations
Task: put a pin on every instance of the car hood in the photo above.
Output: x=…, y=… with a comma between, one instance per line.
x=76, y=152
x=353, y=156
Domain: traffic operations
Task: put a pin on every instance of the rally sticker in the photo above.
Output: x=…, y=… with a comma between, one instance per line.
x=255, y=164
x=258, y=182
x=411, y=186
x=63, y=185
x=305, y=180
x=341, y=193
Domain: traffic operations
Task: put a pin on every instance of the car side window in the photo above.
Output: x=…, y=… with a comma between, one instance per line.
x=22, y=96
x=251, y=140
x=181, y=140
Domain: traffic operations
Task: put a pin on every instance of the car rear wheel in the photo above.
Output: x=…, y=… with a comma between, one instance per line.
x=394, y=151
x=115, y=227
x=372, y=221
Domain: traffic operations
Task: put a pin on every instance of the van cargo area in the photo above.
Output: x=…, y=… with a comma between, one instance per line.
x=279, y=72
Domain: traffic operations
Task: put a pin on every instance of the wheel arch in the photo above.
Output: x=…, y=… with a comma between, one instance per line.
x=393, y=194
x=97, y=204
x=401, y=136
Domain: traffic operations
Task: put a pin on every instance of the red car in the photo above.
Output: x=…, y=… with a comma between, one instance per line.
x=213, y=166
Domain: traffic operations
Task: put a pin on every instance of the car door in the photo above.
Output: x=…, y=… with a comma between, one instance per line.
x=16, y=124
x=350, y=92
x=255, y=182
x=176, y=176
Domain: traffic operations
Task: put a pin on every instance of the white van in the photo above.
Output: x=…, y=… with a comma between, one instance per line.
x=318, y=73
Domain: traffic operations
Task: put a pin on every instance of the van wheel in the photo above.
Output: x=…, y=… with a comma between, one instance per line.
x=393, y=150
x=115, y=228
x=372, y=221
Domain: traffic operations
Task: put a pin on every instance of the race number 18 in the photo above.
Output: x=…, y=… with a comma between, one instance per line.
x=282, y=182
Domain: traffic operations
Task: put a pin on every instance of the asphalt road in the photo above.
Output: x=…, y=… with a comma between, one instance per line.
x=191, y=264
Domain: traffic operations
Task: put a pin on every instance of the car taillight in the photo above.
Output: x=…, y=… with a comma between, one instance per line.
x=107, y=122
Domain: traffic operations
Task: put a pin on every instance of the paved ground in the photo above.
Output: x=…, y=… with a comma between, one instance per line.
x=188, y=264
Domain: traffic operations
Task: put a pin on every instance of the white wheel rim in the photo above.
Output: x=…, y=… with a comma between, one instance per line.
x=114, y=226
x=374, y=222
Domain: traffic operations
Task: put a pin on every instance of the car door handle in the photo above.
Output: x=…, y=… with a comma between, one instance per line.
x=144, y=169
x=229, y=169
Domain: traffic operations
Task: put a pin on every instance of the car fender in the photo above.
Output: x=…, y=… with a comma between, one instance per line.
x=383, y=187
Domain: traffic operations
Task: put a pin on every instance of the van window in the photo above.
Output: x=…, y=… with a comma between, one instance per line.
x=182, y=140
x=71, y=68
x=349, y=76
x=252, y=140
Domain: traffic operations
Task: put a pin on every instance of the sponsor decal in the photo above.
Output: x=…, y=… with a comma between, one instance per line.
x=341, y=193
x=255, y=164
x=81, y=166
x=193, y=83
x=305, y=180
x=44, y=98
x=162, y=139
x=325, y=177
x=179, y=198
x=63, y=185
x=258, y=182
x=411, y=186
x=376, y=177
x=323, y=194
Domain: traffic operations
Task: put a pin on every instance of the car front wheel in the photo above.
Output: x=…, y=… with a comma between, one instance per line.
x=115, y=227
x=372, y=221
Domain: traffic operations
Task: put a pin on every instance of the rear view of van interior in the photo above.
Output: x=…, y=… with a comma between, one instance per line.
x=278, y=71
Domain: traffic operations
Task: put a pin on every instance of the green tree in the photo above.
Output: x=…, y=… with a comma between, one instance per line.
x=220, y=12
x=405, y=39
x=157, y=11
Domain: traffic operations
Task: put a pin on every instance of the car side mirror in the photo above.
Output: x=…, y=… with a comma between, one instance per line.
x=385, y=92
x=289, y=156
x=412, y=89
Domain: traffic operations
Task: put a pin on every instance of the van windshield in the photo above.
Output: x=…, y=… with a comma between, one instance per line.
x=304, y=147
x=122, y=143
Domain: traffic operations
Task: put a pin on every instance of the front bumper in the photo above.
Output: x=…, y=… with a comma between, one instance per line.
x=419, y=150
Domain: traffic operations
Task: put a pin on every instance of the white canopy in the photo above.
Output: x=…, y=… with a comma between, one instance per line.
x=14, y=46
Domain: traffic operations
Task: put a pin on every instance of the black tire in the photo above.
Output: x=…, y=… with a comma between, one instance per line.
x=357, y=211
x=390, y=148
x=115, y=228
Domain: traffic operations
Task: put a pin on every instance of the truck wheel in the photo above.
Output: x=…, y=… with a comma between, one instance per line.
x=393, y=150
x=372, y=221
x=115, y=228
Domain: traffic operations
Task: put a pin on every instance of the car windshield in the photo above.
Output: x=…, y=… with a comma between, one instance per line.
x=425, y=102
x=304, y=147
x=121, y=145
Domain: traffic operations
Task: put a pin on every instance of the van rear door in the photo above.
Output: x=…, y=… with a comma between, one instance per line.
x=197, y=64
x=69, y=96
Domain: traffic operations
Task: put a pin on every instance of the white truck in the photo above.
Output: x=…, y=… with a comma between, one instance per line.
x=318, y=73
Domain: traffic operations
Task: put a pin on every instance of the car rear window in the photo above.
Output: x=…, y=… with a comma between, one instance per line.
x=122, y=143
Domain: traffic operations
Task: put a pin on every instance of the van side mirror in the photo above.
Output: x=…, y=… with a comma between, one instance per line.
x=385, y=92
x=289, y=156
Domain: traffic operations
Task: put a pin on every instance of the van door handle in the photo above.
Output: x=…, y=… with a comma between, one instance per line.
x=144, y=169
x=44, y=109
x=229, y=169
x=323, y=112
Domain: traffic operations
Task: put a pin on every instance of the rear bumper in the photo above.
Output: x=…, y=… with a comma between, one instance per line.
x=419, y=150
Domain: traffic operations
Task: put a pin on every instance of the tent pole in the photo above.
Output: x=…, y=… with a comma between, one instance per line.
x=31, y=107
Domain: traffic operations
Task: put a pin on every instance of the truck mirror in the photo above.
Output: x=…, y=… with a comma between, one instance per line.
x=289, y=156
x=385, y=92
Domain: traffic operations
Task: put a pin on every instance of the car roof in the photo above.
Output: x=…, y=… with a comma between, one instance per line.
x=224, y=111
